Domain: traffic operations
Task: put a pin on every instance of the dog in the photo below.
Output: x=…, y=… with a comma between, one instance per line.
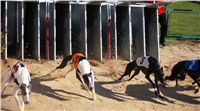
x=83, y=71
x=21, y=81
x=190, y=67
x=147, y=65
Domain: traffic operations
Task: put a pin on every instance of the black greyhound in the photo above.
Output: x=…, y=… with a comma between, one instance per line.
x=190, y=67
x=147, y=65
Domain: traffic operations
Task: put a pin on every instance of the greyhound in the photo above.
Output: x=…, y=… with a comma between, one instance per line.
x=21, y=81
x=83, y=71
x=190, y=67
x=147, y=65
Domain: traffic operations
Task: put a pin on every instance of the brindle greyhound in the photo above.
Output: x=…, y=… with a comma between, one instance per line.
x=190, y=67
x=147, y=65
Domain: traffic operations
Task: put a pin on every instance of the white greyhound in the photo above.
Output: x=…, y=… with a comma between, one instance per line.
x=21, y=77
x=83, y=71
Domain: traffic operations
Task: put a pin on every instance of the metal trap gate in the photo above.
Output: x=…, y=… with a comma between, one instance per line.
x=99, y=30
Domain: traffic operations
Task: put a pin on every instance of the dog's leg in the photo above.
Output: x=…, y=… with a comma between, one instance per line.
x=125, y=74
x=78, y=77
x=158, y=90
x=196, y=81
x=93, y=87
x=177, y=82
x=91, y=81
x=6, y=80
x=71, y=69
x=193, y=83
x=153, y=85
x=137, y=71
x=15, y=91
x=83, y=86
x=148, y=78
x=128, y=70
x=122, y=77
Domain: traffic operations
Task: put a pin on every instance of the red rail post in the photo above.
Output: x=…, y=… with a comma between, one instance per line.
x=47, y=38
x=108, y=39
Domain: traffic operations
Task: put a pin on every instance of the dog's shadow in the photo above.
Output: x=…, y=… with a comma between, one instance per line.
x=39, y=88
x=4, y=109
x=142, y=92
x=176, y=93
x=6, y=95
x=106, y=92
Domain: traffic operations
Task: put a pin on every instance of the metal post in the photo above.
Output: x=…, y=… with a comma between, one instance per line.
x=38, y=31
x=22, y=47
x=86, y=55
x=70, y=29
x=101, y=56
x=115, y=21
x=130, y=34
x=158, y=33
x=144, y=43
x=54, y=50
x=6, y=28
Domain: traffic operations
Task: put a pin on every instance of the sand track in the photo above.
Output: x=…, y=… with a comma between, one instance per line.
x=56, y=93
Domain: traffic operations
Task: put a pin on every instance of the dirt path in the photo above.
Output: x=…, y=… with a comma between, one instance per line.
x=56, y=93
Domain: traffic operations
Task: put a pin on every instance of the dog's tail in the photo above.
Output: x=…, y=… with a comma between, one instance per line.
x=51, y=72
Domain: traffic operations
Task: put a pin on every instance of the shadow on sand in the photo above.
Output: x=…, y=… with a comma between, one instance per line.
x=176, y=93
x=142, y=92
x=108, y=93
x=4, y=109
x=39, y=88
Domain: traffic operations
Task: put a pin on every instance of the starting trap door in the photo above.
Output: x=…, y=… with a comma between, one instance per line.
x=123, y=33
x=13, y=28
x=108, y=33
x=93, y=32
x=62, y=29
x=78, y=28
x=138, y=31
x=152, y=33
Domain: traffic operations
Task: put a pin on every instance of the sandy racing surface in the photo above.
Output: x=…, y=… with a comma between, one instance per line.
x=56, y=93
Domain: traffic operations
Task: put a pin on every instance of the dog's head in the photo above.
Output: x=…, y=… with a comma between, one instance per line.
x=25, y=91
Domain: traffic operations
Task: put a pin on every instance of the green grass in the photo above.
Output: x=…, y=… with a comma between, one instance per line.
x=172, y=40
x=187, y=23
x=184, y=5
x=184, y=24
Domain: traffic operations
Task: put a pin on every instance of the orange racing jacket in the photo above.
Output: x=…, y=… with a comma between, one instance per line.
x=76, y=58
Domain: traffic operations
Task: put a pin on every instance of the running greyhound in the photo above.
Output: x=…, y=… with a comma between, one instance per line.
x=21, y=81
x=83, y=71
x=190, y=67
x=147, y=65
